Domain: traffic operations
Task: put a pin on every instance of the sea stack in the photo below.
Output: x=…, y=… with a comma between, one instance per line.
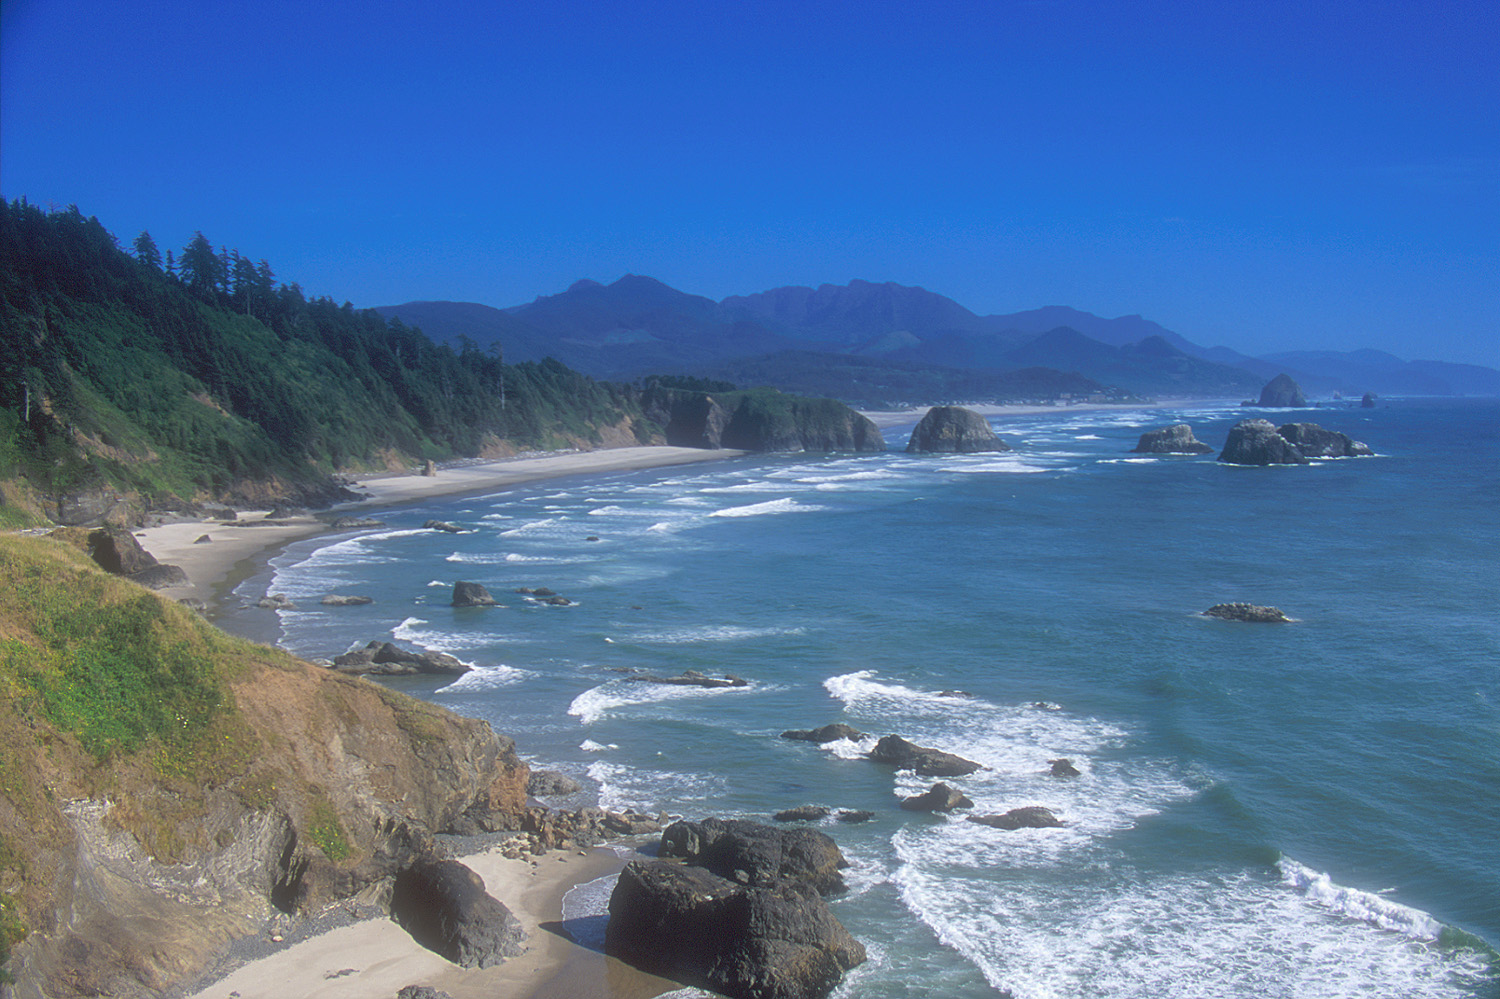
x=1176, y=439
x=954, y=430
x=1256, y=442
x=1282, y=393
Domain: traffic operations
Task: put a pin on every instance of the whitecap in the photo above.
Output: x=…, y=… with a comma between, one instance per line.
x=620, y=695
x=784, y=505
x=486, y=678
x=590, y=746
x=1361, y=905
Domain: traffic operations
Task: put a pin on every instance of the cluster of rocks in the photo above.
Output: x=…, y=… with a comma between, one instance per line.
x=1260, y=442
x=954, y=430
x=739, y=911
x=892, y=749
x=384, y=659
x=276, y=601
x=544, y=595
x=1176, y=439
x=116, y=551
x=814, y=813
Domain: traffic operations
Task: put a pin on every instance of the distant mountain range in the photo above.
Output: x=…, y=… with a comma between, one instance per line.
x=877, y=344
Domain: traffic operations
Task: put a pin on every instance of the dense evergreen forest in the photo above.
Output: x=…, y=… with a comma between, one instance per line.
x=194, y=376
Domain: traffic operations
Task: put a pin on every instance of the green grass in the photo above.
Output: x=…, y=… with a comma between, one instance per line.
x=327, y=834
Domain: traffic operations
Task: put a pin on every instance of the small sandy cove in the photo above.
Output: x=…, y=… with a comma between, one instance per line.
x=377, y=958
x=233, y=546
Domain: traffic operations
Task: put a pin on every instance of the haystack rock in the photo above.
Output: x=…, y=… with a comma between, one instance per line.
x=954, y=430
x=1282, y=392
x=1176, y=439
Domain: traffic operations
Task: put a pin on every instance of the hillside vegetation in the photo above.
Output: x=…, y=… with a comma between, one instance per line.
x=200, y=378
x=165, y=787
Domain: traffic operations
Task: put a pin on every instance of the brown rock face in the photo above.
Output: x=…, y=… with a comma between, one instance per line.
x=954, y=430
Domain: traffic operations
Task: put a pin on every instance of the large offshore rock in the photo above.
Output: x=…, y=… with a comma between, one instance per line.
x=954, y=430
x=1256, y=442
x=445, y=908
x=755, y=854
x=1315, y=442
x=772, y=941
x=471, y=595
x=904, y=755
x=1282, y=392
x=828, y=733
x=1176, y=439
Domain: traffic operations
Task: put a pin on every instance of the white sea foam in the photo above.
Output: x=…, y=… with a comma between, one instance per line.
x=439, y=582
x=687, y=636
x=530, y=527
x=590, y=746
x=648, y=790
x=407, y=629
x=605, y=511
x=486, y=678
x=784, y=505
x=1356, y=904
x=621, y=695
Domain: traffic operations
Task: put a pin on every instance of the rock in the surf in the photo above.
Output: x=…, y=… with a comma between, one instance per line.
x=1064, y=768
x=1256, y=442
x=802, y=813
x=345, y=600
x=1176, y=439
x=756, y=854
x=828, y=733
x=954, y=430
x=691, y=678
x=471, y=595
x=1253, y=613
x=442, y=525
x=1029, y=817
x=771, y=941
x=1282, y=392
x=938, y=798
x=904, y=755
x=1315, y=442
x=445, y=908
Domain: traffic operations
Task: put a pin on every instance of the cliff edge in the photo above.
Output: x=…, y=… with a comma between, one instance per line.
x=166, y=788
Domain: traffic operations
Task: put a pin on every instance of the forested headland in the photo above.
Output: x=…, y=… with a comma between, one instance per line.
x=194, y=376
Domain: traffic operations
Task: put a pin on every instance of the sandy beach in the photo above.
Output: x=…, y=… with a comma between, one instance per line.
x=376, y=958
x=234, y=548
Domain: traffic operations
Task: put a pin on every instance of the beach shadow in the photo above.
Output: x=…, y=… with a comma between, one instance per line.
x=585, y=931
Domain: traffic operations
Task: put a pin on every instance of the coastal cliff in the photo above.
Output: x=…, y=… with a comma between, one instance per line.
x=759, y=420
x=166, y=789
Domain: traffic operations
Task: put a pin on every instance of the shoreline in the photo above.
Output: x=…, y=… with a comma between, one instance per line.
x=887, y=418
x=239, y=548
x=375, y=958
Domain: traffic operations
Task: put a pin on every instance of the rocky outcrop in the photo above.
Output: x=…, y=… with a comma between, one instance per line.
x=690, y=678
x=116, y=551
x=444, y=526
x=356, y=523
x=471, y=595
x=1176, y=439
x=938, y=798
x=828, y=733
x=855, y=816
x=1030, y=817
x=1283, y=393
x=275, y=601
x=1247, y=612
x=755, y=854
x=954, y=430
x=1368, y=401
x=773, y=941
x=1315, y=442
x=345, y=600
x=759, y=420
x=550, y=783
x=445, y=908
x=384, y=659
x=1256, y=442
x=1064, y=768
x=927, y=762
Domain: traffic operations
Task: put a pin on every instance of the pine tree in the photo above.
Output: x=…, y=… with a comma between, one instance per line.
x=146, y=251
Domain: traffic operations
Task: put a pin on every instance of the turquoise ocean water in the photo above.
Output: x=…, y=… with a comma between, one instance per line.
x=1303, y=810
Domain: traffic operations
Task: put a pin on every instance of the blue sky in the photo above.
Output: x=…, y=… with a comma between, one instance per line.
x=1267, y=176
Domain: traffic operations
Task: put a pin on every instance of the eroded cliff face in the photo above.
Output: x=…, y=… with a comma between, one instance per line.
x=132, y=870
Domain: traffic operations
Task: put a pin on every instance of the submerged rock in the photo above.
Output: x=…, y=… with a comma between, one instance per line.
x=1029, y=817
x=1247, y=612
x=954, y=430
x=691, y=678
x=802, y=813
x=1283, y=393
x=855, y=816
x=828, y=733
x=445, y=908
x=1176, y=439
x=904, y=755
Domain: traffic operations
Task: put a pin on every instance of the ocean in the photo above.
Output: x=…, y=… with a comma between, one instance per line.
x=1301, y=810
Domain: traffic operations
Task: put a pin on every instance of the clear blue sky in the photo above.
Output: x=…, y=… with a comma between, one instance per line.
x=1263, y=175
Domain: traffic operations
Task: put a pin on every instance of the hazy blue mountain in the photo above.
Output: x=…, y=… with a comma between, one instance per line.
x=1359, y=371
x=1151, y=366
x=853, y=314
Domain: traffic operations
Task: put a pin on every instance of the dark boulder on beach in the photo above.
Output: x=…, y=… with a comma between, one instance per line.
x=1176, y=439
x=471, y=595
x=1315, y=442
x=904, y=755
x=802, y=813
x=1252, y=613
x=828, y=733
x=550, y=783
x=1282, y=392
x=160, y=576
x=203, y=539
x=756, y=854
x=1030, y=817
x=1064, y=768
x=938, y=798
x=772, y=941
x=691, y=678
x=445, y=908
x=421, y=992
x=1256, y=442
x=954, y=430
